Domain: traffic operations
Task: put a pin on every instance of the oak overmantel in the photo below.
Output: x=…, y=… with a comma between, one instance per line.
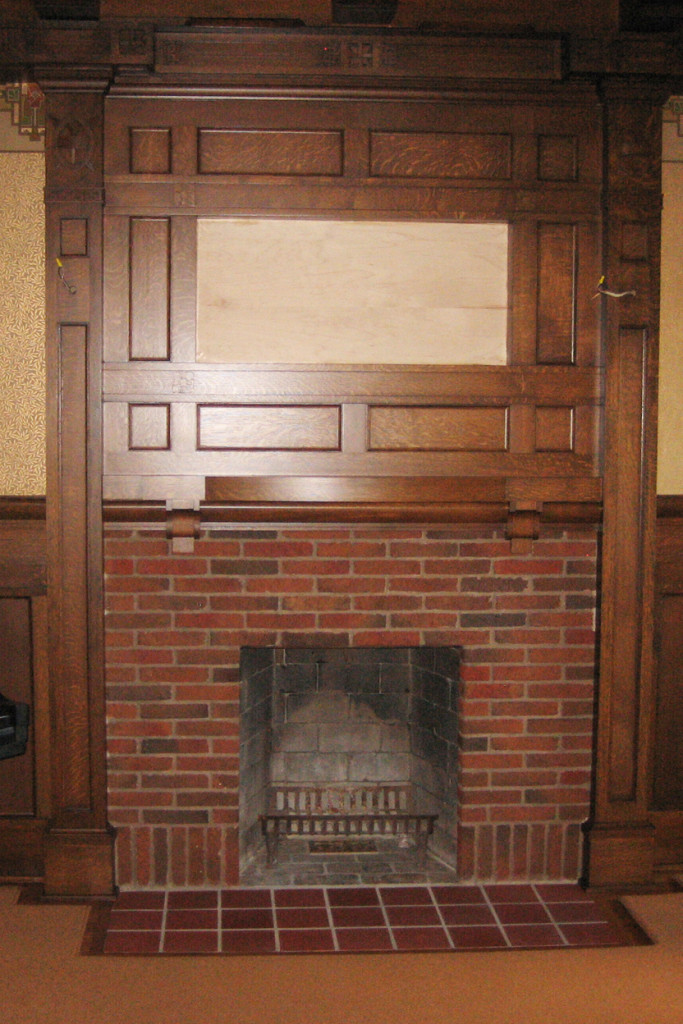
x=558, y=136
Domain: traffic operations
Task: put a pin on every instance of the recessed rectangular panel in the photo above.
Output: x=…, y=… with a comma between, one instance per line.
x=274, y=428
x=73, y=236
x=410, y=428
x=556, y=293
x=635, y=241
x=441, y=155
x=351, y=292
x=554, y=429
x=149, y=427
x=150, y=150
x=270, y=152
x=557, y=158
x=149, y=287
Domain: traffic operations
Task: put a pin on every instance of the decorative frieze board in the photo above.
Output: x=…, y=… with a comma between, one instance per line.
x=350, y=54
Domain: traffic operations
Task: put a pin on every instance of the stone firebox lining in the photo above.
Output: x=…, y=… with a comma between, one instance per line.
x=176, y=624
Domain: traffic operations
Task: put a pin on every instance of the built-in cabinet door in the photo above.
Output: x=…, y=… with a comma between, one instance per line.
x=668, y=774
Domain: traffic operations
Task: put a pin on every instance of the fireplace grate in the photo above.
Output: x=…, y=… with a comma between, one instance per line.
x=344, y=812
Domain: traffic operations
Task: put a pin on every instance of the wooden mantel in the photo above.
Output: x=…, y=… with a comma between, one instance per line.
x=153, y=127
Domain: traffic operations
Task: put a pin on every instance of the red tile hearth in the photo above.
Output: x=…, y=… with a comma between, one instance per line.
x=398, y=918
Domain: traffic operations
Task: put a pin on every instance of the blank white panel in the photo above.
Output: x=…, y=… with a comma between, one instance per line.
x=351, y=292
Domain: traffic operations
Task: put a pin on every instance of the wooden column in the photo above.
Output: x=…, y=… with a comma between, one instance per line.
x=79, y=852
x=621, y=838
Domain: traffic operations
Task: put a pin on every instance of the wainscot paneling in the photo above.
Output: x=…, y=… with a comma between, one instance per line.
x=25, y=779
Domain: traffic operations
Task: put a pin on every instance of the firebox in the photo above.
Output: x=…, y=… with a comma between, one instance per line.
x=349, y=742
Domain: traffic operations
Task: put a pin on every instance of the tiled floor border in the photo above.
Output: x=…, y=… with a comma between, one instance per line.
x=358, y=919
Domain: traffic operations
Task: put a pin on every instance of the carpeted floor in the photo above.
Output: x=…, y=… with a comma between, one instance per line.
x=46, y=980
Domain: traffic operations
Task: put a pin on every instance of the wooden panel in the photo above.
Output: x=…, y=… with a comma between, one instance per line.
x=287, y=428
x=440, y=155
x=554, y=429
x=557, y=158
x=150, y=150
x=69, y=551
x=635, y=242
x=556, y=293
x=668, y=751
x=149, y=427
x=306, y=53
x=414, y=428
x=116, y=289
x=183, y=298
x=16, y=683
x=223, y=151
x=462, y=385
x=73, y=237
x=149, y=287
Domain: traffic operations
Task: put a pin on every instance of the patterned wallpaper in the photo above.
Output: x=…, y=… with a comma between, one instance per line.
x=22, y=324
x=670, y=472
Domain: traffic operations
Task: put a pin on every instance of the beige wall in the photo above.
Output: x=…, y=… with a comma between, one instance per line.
x=670, y=473
x=22, y=324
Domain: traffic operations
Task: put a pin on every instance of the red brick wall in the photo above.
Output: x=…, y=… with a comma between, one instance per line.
x=175, y=625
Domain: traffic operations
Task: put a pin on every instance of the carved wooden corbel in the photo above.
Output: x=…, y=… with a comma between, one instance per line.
x=523, y=526
x=182, y=529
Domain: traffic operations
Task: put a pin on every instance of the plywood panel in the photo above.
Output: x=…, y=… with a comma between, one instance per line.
x=441, y=155
x=437, y=429
x=149, y=287
x=223, y=151
x=286, y=428
x=302, y=291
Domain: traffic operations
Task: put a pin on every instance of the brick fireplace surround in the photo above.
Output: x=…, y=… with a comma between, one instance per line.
x=175, y=625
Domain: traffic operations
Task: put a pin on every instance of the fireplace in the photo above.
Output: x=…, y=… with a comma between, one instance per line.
x=356, y=742
x=189, y=634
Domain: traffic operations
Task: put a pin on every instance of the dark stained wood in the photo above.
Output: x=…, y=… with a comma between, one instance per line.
x=309, y=53
x=440, y=155
x=621, y=826
x=322, y=123
x=230, y=151
x=493, y=511
x=149, y=427
x=150, y=150
x=668, y=757
x=150, y=254
x=556, y=320
x=413, y=428
x=554, y=429
x=78, y=846
x=16, y=683
x=25, y=786
x=287, y=428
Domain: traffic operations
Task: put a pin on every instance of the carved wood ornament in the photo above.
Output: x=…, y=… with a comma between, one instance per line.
x=150, y=129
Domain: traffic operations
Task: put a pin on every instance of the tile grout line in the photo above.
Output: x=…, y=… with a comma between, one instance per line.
x=441, y=918
x=550, y=914
x=276, y=928
x=498, y=921
x=394, y=944
x=162, y=935
x=328, y=908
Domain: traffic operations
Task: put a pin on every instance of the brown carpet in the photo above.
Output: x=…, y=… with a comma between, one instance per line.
x=45, y=980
